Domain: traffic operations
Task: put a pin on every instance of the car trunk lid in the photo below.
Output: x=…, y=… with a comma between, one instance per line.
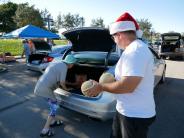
x=90, y=39
x=42, y=49
x=41, y=46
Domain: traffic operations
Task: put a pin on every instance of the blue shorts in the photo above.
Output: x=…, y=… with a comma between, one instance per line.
x=53, y=107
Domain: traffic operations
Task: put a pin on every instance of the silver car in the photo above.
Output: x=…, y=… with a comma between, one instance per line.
x=96, y=53
x=44, y=55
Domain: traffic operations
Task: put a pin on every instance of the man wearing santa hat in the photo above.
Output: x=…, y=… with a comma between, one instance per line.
x=134, y=83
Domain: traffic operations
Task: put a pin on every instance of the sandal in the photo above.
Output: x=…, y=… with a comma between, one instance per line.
x=56, y=123
x=49, y=133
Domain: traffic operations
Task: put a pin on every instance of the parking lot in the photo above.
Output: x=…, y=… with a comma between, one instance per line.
x=22, y=115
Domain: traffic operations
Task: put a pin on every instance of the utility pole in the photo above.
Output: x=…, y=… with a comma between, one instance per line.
x=82, y=22
x=48, y=20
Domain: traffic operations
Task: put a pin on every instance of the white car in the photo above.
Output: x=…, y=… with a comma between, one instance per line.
x=96, y=53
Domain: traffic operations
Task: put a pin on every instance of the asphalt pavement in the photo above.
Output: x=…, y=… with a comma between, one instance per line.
x=22, y=115
x=2, y=68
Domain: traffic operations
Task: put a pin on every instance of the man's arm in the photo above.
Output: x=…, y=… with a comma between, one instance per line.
x=64, y=85
x=126, y=85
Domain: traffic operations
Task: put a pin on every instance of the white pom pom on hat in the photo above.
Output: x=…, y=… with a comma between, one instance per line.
x=125, y=23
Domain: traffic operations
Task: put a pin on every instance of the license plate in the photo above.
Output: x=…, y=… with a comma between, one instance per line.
x=36, y=62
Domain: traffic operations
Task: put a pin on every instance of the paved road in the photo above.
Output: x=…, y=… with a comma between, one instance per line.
x=22, y=115
x=170, y=104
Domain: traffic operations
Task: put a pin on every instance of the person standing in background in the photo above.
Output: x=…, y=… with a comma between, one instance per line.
x=26, y=50
x=51, y=42
x=31, y=46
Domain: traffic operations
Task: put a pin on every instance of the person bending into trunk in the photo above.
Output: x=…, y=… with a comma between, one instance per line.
x=75, y=86
x=53, y=76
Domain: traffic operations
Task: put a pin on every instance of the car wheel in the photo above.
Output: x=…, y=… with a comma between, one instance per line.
x=163, y=77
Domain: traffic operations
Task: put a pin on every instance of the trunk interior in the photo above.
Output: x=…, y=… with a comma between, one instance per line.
x=93, y=72
x=170, y=46
x=36, y=58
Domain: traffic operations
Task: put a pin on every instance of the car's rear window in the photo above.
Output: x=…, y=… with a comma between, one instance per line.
x=171, y=37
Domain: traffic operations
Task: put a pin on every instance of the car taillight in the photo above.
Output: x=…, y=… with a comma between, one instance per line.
x=47, y=59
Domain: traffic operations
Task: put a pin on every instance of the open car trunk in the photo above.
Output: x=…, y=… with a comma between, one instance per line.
x=37, y=58
x=92, y=72
x=94, y=50
x=170, y=41
x=170, y=46
x=42, y=49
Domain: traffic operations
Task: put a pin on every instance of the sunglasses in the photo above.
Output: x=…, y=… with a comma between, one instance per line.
x=113, y=36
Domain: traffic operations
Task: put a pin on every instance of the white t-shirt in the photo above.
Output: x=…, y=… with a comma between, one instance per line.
x=136, y=60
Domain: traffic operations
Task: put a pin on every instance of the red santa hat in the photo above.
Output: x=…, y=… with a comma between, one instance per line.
x=125, y=23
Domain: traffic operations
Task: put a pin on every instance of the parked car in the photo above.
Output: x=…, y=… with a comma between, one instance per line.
x=156, y=45
x=44, y=55
x=171, y=46
x=96, y=52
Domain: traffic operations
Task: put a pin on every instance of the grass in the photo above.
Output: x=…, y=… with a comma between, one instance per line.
x=14, y=46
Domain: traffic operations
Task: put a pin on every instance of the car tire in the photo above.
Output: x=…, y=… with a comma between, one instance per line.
x=163, y=77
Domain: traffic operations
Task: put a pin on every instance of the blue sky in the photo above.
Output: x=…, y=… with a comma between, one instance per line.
x=165, y=15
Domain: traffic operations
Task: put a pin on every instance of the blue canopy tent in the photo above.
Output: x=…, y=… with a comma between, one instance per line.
x=30, y=31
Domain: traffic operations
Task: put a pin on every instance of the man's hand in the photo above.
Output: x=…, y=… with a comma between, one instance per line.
x=63, y=86
x=95, y=90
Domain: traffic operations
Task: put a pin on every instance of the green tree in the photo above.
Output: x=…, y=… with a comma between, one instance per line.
x=58, y=22
x=157, y=36
x=97, y=22
x=54, y=30
x=26, y=14
x=48, y=21
x=7, y=11
x=70, y=21
x=44, y=13
x=146, y=27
